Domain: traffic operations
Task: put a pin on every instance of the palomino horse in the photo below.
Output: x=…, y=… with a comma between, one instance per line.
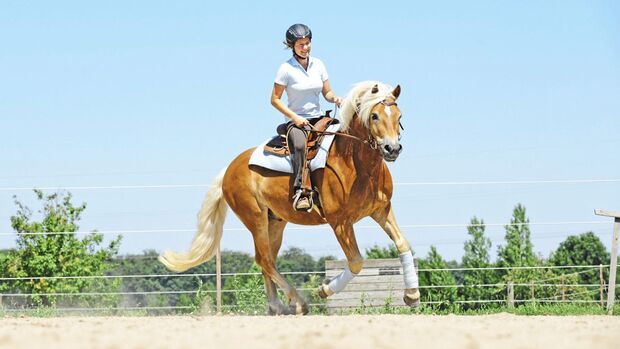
x=355, y=183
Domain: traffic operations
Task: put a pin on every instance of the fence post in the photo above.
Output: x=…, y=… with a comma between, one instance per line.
x=563, y=288
x=218, y=280
x=602, y=283
x=511, y=295
x=611, y=293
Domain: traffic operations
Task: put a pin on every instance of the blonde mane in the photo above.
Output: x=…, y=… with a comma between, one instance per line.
x=360, y=101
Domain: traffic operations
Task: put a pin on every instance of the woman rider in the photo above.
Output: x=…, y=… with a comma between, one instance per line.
x=303, y=78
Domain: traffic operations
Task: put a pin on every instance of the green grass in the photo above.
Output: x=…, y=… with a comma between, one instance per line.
x=562, y=309
x=565, y=309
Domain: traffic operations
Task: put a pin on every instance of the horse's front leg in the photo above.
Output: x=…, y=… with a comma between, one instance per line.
x=387, y=221
x=346, y=239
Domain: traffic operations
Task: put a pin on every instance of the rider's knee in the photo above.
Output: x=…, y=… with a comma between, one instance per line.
x=299, y=147
x=297, y=139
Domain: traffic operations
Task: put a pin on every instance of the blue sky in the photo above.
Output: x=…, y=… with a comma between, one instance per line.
x=162, y=93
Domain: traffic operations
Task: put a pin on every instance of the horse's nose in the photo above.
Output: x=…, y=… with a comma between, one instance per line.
x=393, y=150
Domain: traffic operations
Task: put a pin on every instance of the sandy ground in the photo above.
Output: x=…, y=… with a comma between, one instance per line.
x=382, y=331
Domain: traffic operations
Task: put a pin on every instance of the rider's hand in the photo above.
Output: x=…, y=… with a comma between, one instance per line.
x=300, y=122
x=338, y=101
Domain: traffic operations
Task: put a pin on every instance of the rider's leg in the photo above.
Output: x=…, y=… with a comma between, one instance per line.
x=297, y=148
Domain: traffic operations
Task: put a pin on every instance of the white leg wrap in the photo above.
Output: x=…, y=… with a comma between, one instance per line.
x=340, y=282
x=411, y=276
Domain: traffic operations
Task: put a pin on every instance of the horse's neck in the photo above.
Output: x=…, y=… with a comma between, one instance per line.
x=365, y=159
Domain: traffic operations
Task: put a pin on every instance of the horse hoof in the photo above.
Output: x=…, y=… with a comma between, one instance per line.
x=302, y=309
x=278, y=309
x=412, y=297
x=298, y=309
x=325, y=291
x=411, y=303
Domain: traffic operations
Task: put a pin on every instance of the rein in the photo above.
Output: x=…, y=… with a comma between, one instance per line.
x=372, y=143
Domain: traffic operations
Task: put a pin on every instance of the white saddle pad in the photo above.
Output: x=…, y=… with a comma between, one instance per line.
x=283, y=163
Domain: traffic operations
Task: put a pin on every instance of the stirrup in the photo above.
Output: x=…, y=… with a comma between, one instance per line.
x=302, y=203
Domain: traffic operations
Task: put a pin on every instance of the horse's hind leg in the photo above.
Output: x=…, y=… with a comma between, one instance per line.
x=265, y=258
x=387, y=221
x=257, y=221
x=276, y=230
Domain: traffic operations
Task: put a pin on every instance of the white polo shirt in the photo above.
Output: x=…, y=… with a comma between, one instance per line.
x=303, y=87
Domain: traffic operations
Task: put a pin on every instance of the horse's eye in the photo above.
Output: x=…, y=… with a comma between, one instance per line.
x=374, y=117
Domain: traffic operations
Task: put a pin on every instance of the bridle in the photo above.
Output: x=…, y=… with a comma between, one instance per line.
x=371, y=141
x=389, y=104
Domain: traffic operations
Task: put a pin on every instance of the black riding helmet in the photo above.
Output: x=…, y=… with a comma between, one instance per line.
x=296, y=32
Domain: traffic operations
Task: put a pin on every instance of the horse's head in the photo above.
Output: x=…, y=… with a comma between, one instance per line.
x=374, y=103
x=384, y=124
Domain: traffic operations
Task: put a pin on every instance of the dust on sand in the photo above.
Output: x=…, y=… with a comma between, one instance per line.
x=317, y=332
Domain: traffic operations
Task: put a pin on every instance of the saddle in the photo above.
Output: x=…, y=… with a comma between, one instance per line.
x=278, y=146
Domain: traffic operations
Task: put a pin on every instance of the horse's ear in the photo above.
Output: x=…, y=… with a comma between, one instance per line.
x=375, y=88
x=396, y=92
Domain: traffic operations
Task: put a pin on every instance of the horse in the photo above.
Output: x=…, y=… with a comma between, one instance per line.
x=354, y=184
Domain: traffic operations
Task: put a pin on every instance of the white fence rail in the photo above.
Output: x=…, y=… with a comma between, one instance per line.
x=403, y=226
x=593, y=291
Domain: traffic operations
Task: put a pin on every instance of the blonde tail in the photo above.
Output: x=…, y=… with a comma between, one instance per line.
x=207, y=239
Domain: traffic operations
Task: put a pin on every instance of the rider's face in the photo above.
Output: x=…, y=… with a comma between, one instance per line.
x=302, y=47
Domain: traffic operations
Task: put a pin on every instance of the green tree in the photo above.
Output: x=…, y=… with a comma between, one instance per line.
x=4, y=262
x=434, y=277
x=147, y=263
x=295, y=259
x=477, y=256
x=519, y=252
x=290, y=260
x=320, y=263
x=376, y=252
x=584, y=249
x=44, y=257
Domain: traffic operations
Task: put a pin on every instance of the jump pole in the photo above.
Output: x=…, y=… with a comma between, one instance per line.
x=611, y=293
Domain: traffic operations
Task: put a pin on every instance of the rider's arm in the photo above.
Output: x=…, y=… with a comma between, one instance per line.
x=329, y=94
x=276, y=101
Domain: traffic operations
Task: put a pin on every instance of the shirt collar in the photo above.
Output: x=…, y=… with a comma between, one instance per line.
x=294, y=62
